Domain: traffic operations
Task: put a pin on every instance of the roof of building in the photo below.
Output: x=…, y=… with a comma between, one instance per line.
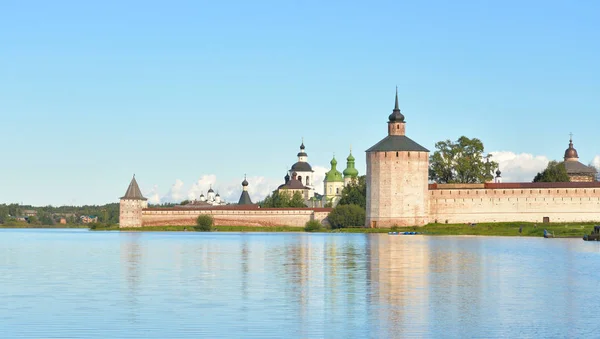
x=396, y=115
x=350, y=170
x=397, y=143
x=571, y=152
x=301, y=166
x=133, y=191
x=333, y=174
x=575, y=167
x=245, y=199
x=517, y=185
x=293, y=184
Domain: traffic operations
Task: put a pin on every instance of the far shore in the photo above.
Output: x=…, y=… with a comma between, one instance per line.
x=525, y=229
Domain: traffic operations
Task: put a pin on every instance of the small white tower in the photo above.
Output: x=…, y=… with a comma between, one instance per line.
x=210, y=196
x=131, y=206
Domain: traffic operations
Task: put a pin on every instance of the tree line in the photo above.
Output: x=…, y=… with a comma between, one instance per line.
x=51, y=215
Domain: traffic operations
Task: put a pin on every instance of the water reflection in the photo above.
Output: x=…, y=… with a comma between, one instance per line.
x=131, y=262
x=191, y=285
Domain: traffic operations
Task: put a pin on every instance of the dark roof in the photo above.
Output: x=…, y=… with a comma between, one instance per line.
x=301, y=167
x=253, y=207
x=293, y=184
x=525, y=185
x=396, y=116
x=133, y=191
x=397, y=143
x=245, y=199
x=575, y=167
x=302, y=154
x=571, y=152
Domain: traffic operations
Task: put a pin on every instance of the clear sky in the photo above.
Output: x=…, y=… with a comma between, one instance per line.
x=186, y=93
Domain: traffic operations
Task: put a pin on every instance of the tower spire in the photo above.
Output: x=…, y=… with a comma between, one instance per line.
x=396, y=115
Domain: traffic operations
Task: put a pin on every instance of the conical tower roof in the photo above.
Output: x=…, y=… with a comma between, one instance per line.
x=133, y=191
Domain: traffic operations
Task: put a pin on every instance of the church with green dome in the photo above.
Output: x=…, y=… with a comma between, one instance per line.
x=335, y=181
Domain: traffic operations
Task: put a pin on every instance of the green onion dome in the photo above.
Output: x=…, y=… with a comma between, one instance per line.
x=350, y=171
x=333, y=174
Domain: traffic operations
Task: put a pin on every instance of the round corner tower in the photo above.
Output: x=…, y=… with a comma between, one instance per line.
x=397, y=178
x=131, y=206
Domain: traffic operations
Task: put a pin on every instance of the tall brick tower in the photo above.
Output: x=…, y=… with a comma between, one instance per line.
x=132, y=203
x=397, y=178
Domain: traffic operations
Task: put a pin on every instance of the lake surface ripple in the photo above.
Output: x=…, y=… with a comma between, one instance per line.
x=82, y=284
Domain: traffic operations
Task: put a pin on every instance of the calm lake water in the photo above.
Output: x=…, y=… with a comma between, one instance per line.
x=81, y=284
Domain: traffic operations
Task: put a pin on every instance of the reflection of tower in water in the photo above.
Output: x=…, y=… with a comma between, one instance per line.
x=399, y=274
x=131, y=256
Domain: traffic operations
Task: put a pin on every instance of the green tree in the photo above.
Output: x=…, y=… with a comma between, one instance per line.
x=3, y=214
x=14, y=210
x=283, y=200
x=45, y=218
x=343, y=216
x=204, y=223
x=355, y=193
x=33, y=220
x=460, y=162
x=312, y=225
x=554, y=172
x=185, y=202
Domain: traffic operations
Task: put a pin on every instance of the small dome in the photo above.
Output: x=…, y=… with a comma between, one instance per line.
x=302, y=145
x=333, y=162
x=350, y=157
x=245, y=182
x=217, y=195
x=201, y=195
x=302, y=167
x=396, y=116
x=351, y=172
x=498, y=172
x=571, y=152
x=210, y=190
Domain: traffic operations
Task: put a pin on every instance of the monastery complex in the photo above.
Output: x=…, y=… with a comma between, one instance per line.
x=398, y=194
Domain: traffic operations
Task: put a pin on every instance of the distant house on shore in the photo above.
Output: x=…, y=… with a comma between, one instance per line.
x=86, y=219
x=30, y=213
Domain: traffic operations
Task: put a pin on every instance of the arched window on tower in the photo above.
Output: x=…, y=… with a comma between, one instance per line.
x=307, y=180
x=300, y=178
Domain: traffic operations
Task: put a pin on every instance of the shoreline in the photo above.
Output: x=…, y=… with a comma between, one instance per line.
x=528, y=229
x=560, y=230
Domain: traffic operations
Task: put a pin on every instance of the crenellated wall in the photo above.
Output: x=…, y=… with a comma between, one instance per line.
x=235, y=216
x=560, y=202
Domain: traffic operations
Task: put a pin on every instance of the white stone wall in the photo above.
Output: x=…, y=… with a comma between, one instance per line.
x=497, y=205
x=333, y=191
x=251, y=218
x=397, y=187
x=130, y=212
x=310, y=184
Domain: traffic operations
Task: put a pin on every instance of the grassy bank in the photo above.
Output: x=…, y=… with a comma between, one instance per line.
x=25, y=225
x=560, y=230
x=485, y=229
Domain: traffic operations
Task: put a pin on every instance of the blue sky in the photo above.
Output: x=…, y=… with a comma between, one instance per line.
x=199, y=91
